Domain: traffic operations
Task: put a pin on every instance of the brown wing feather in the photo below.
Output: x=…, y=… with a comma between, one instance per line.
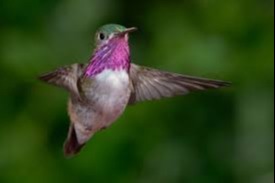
x=65, y=77
x=151, y=84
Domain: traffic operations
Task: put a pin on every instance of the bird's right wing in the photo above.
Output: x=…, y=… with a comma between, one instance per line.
x=65, y=77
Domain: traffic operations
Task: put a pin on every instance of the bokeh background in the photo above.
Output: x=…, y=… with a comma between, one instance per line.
x=206, y=137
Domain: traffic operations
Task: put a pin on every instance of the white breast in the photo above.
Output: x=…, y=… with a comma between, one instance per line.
x=112, y=93
x=113, y=79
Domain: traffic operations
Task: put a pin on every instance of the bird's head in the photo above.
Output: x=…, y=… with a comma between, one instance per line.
x=112, y=31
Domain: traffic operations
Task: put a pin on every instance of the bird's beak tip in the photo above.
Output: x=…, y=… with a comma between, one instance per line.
x=127, y=30
x=131, y=29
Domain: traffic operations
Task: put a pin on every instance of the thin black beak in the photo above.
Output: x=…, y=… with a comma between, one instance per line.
x=127, y=30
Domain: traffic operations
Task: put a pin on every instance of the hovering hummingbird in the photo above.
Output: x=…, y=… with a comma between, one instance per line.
x=102, y=89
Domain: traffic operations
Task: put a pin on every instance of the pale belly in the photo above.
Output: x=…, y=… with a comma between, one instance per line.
x=107, y=99
x=112, y=94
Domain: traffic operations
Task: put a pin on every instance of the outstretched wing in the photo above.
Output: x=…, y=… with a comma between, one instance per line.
x=151, y=84
x=65, y=77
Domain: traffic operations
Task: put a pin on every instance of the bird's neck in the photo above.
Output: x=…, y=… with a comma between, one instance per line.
x=114, y=55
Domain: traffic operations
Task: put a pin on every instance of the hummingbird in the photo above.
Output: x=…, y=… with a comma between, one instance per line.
x=100, y=90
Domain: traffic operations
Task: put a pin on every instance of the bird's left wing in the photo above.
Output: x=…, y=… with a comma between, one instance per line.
x=65, y=77
x=152, y=84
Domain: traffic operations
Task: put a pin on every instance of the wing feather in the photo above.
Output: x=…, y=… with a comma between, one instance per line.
x=65, y=77
x=152, y=84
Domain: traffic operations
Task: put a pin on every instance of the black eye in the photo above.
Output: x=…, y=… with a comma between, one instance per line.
x=101, y=36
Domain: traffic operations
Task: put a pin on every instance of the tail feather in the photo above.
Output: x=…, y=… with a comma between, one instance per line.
x=71, y=145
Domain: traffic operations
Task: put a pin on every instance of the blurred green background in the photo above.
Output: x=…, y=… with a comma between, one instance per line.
x=218, y=136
